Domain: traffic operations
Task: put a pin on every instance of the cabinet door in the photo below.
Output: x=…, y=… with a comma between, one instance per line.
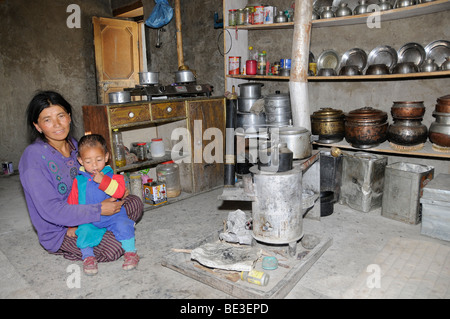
x=116, y=55
x=207, y=128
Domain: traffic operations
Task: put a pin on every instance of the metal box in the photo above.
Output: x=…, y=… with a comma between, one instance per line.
x=403, y=184
x=362, y=181
x=436, y=208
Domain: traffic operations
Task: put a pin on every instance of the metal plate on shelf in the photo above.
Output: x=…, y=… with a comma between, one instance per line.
x=411, y=52
x=328, y=59
x=438, y=51
x=356, y=57
x=383, y=54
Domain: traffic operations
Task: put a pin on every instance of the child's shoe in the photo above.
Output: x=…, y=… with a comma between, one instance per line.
x=90, y=266
x=131, y=261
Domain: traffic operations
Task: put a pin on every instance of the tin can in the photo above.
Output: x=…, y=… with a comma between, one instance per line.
x=256, y=277
x=258, y=15
x=234, y=65
x=5, y=168
x=155, y=193
x=268, y=14
x=286, y=63
x=276, y=68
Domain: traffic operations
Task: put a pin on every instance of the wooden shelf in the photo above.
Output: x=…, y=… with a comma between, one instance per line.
x=409, y=76
x=426, y=151
x=393, y=14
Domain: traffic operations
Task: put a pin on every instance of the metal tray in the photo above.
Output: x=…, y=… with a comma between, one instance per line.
x=411, y=52
x=356, y=57
x=328, y=59
x=383, y=54
x=438, y=51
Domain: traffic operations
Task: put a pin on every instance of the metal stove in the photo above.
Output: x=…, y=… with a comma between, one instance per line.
x=171, y=91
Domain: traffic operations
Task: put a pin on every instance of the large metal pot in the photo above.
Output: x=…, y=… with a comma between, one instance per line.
x=250, y=120
x=250, y=90
x=298, y=140
x=366, y=127
x=407, y=132
x=245, y=103
x=184, y=76
x=329, y=125
x=148, y=78
x=278, y=109
x=119, y=97
x=440, y=130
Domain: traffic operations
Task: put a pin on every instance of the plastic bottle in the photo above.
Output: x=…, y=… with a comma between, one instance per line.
x=168, y=173
x=256, y=277
x=119, y=149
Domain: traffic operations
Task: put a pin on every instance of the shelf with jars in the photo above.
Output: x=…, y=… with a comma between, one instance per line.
x=387, y=15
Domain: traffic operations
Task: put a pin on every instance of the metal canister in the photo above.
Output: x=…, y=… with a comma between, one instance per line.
x=234, y=65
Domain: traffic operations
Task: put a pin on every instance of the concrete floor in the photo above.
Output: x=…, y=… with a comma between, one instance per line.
x=28, y=271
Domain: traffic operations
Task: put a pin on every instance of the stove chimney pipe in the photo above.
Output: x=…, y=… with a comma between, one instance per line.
x=298, y=83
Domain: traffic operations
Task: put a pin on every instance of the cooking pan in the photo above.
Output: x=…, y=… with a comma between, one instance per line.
x=184, y=76
x=148, y=78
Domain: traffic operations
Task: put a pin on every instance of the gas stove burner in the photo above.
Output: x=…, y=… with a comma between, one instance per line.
x=171, y=91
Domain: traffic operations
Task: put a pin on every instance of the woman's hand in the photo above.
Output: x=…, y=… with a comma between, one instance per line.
x=71, y=231
x=111, y=206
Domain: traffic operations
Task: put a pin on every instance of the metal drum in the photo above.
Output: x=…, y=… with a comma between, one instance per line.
x=277, y=208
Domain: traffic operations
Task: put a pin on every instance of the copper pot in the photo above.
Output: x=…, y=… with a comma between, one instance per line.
x=328, y=124
x=366, y=127
x=408, y=110
x=443, y=104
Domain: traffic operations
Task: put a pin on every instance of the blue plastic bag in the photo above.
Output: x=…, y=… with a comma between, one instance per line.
x=161, y=15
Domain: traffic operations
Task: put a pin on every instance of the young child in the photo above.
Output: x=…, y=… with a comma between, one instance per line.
x=94, y=183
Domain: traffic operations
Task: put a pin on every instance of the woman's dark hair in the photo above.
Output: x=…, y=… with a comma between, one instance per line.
x=92, y=140
x=41, y=101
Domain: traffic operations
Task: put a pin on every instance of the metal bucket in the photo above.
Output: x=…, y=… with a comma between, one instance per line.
x=277, y=208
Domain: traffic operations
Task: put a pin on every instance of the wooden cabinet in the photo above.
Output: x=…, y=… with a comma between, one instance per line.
x=197, y=172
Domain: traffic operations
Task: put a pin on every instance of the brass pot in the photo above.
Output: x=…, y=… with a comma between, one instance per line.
x=329, y=125
x=366, y=127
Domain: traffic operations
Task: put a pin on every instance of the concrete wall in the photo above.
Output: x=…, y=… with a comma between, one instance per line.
x=39, y=52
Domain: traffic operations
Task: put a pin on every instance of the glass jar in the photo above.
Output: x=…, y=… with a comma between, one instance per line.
x=119, y=149
x=136, y=187
x=232, y=17
x=169, y=174
x=141, y=151
x=261, y=69
x=248, y=16
x=240, y=18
